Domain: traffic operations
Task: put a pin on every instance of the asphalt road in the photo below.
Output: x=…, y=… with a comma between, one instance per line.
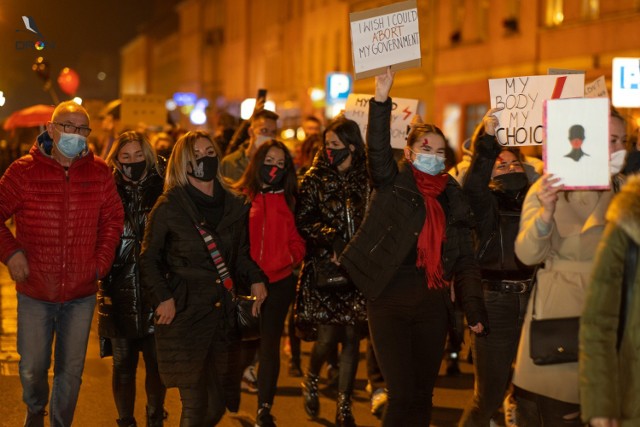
x=96, y=406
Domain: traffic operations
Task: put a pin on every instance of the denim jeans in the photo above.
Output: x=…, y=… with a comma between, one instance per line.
x=494, y=354
x=408, y=325
x=38, y=323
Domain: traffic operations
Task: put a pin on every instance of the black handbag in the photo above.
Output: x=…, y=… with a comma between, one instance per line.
x=329, y=275
x=248, y=324
x=553, y=341
x=106, y=348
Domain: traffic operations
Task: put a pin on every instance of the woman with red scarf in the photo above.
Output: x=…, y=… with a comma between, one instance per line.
x=414, y=242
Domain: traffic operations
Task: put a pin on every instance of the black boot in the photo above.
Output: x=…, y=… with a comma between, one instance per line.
x=126, y=422
x=344, y=416
x=310, y=395
x=35, y=419
x=156, y=416
x=264, y=417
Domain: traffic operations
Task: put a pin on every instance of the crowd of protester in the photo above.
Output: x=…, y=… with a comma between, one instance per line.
x=340, y=237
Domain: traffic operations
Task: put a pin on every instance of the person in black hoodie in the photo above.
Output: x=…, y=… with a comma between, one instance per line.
x=125, y=317
x=415, y=240
x=496, y=185
x=196, y=330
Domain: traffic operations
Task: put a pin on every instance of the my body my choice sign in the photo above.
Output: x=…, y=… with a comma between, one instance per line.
x=386, y=36
x=521, y=120
x=402, y=112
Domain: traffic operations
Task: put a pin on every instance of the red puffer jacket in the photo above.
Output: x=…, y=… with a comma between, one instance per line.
x=67, y=226
x=275, y=243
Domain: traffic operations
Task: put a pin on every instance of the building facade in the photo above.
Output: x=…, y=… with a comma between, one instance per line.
x=225, y=50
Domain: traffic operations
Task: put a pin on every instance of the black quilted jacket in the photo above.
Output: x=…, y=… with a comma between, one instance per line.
x=330, y=208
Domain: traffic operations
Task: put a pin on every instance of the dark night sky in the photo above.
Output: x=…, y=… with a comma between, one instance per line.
x=83, y=35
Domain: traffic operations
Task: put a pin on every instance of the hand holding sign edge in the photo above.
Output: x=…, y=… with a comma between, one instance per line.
x=384, y=82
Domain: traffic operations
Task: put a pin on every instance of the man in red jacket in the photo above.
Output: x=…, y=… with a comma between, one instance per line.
x=68, y=218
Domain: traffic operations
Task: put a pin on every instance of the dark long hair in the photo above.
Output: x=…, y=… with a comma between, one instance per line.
x=348, y=132
x=251, y=183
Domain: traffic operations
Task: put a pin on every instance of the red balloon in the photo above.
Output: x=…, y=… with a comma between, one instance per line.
x=68, y=80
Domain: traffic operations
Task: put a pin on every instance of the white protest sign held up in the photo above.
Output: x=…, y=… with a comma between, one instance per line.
x=521, y=99
x=596, y=89
x=385, y=36
x=576, y=145
x=402, y=112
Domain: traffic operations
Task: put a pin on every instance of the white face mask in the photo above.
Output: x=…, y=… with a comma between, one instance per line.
x=616, y=162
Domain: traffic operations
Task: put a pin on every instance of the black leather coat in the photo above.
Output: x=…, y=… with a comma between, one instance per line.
x=497, y=214
x=122, y=310
x=330, y=208
x=395, y=219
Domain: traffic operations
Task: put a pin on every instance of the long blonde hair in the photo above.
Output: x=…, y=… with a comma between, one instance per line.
x=184, y=154
x=131, y=136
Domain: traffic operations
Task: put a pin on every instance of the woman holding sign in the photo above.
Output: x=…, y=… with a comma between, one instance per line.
x=560, y=229
x=415, y=240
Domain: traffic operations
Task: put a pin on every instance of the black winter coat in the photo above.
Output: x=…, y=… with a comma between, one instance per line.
x=175, y=263
x=395, y=219
x=497, y=216
x=330, y=208
x=122, y=310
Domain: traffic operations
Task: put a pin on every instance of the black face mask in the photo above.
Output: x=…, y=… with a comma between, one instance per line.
x=272, y=175
x=511, y=188
x=134, y=171
x=206, y=169
x=337, y=156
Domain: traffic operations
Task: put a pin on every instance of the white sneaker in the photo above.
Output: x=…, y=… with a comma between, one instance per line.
x=249, y=380
x=509, y=407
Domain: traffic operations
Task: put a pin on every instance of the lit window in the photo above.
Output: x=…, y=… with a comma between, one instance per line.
x=554, y=15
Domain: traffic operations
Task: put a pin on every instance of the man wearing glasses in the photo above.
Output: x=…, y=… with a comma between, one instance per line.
x=68, y=218
x=264, y=126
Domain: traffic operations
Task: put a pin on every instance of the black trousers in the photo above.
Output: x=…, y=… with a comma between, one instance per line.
x=273, y=314
x=204, y=403
x=125, y=363
x=328, y=337
x=408, y=324
x=494, y=354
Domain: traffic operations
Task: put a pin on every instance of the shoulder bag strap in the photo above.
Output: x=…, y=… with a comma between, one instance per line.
x=628, y=278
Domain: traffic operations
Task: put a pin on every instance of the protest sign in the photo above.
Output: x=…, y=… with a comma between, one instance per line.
x=521, y=101
x=385, y=36
x=148, y=109
x=596, y=89
x=576, y=145
x=402, y=112
x=563, y=71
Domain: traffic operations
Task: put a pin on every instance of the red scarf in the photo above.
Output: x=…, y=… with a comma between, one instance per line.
x=433, y=230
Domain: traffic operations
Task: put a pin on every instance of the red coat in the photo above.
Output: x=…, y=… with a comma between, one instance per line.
x=68, y=227
x=275, y=243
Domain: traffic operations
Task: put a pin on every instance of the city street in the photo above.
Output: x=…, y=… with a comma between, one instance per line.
x=96, y=407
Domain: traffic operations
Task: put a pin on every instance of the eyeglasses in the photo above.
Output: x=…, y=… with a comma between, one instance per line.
x=69, y=128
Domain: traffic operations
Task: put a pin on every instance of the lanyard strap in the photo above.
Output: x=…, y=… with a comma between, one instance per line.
x=216, y=256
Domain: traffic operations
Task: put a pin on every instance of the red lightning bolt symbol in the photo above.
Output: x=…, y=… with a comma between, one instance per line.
x=329, y=156
x=272, y=173
x=407, y=112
